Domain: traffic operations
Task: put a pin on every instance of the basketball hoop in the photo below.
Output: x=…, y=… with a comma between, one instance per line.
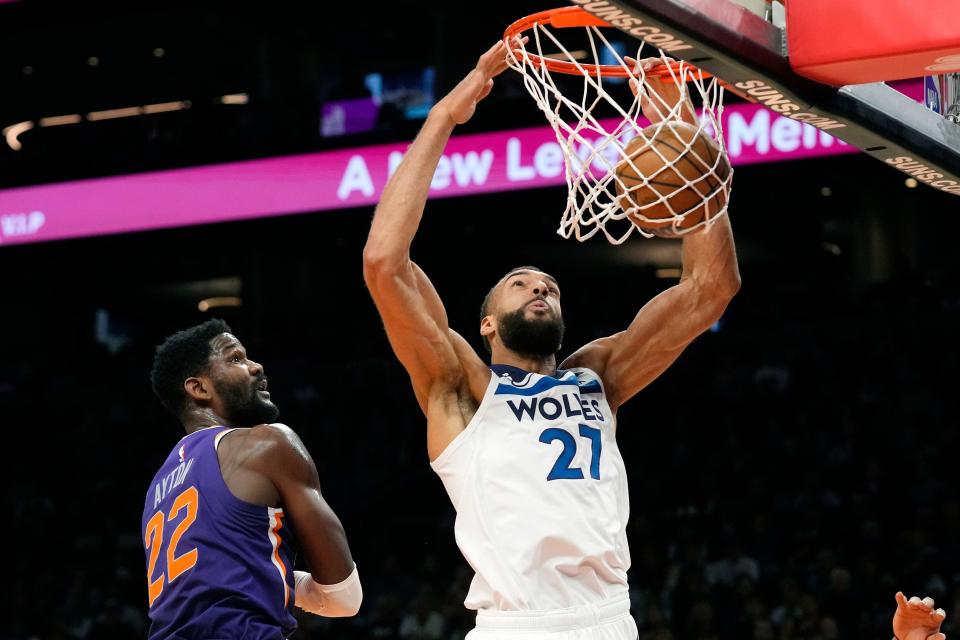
x=582, y=101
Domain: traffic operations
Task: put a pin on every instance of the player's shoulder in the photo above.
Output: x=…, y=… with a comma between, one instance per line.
x=588, y=380
x=592, y=356
x=274, y=450
x=582, y=373
x=273, y=442
x=273, y=430
x=273, y=433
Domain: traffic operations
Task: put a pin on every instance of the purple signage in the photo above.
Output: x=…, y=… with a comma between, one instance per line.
x=482, y=163
x=348, y=116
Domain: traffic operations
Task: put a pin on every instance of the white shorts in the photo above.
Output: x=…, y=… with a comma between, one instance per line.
x=607, y=620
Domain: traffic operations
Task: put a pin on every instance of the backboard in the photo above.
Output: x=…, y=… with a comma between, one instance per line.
x=735, y=44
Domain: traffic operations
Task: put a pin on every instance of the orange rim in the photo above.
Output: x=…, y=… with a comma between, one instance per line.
x=567, y=17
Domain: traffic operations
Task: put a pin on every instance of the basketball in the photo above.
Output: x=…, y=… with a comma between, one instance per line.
x=678, y=160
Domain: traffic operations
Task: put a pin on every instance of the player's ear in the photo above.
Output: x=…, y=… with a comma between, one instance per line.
x=198, y=388
x=488, y=326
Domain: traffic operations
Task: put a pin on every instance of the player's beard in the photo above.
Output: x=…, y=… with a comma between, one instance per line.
x=245, y=406
x=540, y=337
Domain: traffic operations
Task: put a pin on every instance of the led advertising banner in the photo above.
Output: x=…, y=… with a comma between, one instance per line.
x=481, y=163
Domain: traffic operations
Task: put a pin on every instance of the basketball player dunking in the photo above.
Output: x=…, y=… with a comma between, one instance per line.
x=527, y=450
x=222, y=510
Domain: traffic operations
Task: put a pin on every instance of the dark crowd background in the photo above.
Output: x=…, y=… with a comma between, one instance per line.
x=790, y=473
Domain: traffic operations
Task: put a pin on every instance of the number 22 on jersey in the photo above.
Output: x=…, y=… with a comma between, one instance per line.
x=153, y=540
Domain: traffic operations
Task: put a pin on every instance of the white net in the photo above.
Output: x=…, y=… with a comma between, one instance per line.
x=668, y=178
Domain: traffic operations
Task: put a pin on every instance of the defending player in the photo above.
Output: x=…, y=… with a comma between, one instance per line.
x=222, y=510
x=526, y=450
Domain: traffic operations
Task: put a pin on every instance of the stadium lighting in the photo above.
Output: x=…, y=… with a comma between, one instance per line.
x=225, y=301
x=14, y=130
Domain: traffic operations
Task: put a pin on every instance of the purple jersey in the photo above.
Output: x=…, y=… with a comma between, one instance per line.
x=217, y=567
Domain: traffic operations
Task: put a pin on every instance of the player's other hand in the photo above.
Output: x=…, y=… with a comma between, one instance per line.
x=657, y=96
x=916, y=619
x=461, y=102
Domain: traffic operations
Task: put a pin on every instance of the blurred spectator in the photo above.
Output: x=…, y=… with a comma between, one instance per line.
x=424, y=621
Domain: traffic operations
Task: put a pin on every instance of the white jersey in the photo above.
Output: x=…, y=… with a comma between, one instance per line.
x=540, y=491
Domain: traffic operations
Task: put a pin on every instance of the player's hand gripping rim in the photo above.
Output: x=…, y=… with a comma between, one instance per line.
x=657, y=89
x=460, y=104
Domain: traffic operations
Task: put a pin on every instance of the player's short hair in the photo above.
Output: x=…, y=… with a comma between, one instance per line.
x=182, y=355
x=485, y=307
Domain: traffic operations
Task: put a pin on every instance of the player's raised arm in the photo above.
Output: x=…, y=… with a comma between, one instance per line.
x=632, y=359
x=332, y=586
x=412, y=312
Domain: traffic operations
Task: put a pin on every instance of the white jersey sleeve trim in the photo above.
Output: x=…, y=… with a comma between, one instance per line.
x=219, y=437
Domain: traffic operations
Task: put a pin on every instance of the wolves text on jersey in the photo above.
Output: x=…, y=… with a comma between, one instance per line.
x=570, y=405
